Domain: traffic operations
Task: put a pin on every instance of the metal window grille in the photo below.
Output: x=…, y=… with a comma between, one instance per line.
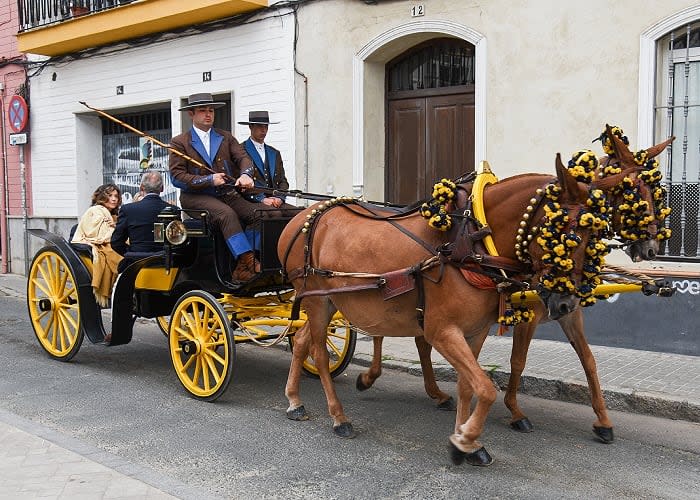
x=438, y=64
x=677, y=112
x=126, y=155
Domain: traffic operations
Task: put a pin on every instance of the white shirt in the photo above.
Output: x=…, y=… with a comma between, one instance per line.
x=204, y=137
x=260, y=149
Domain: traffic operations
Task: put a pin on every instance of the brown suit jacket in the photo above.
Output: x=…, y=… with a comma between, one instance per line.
x=227, y=155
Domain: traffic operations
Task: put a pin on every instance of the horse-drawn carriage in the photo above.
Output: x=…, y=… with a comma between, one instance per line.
x=186, y=288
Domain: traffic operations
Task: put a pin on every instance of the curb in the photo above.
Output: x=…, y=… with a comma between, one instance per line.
x=619, y=399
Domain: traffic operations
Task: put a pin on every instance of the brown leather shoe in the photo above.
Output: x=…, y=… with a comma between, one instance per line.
x=246, y=267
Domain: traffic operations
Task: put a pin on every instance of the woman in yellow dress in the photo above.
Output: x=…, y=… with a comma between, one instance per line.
x=95, y=228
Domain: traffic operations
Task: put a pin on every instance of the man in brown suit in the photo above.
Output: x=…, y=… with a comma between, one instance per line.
x=216, y=192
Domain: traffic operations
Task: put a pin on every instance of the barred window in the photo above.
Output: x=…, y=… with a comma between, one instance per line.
x=435, y=64
x=677, y=112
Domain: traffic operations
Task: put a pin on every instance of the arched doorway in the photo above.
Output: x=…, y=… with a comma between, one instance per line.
x=430, y=117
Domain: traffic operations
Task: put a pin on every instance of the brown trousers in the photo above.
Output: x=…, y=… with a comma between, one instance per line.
x=227, y=212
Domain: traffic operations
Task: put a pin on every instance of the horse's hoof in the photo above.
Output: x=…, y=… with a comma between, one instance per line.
x=522, y=425
x=344, y=430
x=479, y=457
x=360, y=385
x=605, y=434
x=298, y=413
x=447, y=405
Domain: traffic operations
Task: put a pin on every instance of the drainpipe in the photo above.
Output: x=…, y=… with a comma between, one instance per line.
x=3, y=183
x=305, y=183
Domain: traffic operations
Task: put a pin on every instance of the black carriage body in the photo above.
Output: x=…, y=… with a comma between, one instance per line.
x=151, y=284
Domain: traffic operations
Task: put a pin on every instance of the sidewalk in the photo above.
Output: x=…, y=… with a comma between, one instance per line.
x=43, y=463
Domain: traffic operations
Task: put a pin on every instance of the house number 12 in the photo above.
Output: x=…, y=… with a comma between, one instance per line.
x=418, y=10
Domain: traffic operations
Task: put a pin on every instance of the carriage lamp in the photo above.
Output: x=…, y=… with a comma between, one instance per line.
x=176, y=232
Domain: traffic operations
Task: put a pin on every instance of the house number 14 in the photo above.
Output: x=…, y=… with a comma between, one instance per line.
x=417, y=10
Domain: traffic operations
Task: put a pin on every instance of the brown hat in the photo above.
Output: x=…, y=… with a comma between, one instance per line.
x=199, y=100
x=257, y=118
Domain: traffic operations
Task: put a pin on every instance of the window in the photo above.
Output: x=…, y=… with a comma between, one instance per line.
x=677, y=112
x=126, y=155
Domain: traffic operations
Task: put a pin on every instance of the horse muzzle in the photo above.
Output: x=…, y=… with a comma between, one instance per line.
x=559, y=305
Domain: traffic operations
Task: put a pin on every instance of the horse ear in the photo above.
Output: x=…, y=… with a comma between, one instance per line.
x=654, y=151
x=568, y=183
x=622, y=152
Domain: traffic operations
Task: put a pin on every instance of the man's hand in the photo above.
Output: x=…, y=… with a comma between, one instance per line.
x=244, y=182
x=272, y=202
x=219, y=179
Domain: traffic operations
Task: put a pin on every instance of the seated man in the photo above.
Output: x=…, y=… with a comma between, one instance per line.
x=209, y=170
x=134, y=230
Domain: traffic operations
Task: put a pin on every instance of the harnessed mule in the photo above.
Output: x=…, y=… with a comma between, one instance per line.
x=346, y=256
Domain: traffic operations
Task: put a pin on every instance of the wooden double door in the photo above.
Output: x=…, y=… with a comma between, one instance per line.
x=429, y=137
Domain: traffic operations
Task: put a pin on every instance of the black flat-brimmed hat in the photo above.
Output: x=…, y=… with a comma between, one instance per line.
x=257, y=118
x=199, y=100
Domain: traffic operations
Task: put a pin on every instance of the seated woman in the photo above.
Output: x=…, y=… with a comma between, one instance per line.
x=95, y=228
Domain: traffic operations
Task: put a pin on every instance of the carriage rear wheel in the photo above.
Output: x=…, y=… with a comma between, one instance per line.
x=164, y=324
x=340, y=344
x=52, y=300
x=202, y=346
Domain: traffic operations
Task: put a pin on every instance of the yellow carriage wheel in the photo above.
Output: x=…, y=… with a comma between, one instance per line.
x=340, y=344
x=52, y=300
x=164, y=324
x=202, y=347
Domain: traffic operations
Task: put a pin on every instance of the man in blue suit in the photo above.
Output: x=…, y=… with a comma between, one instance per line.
x=269, y=170
x=134, y=230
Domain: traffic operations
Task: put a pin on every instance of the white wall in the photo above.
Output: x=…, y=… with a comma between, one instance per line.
x=252, y=62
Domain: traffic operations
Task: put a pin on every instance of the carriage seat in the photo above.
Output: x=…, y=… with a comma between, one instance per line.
x=131, y=257
x=80, y=248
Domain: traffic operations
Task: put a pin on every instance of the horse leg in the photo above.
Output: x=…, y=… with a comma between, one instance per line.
x=522, y=335
x=366, y=379
x=444, y=401
x=296, y=410
x=319, y=311
x=471, y=379
x=475, y=342
x=572, y=324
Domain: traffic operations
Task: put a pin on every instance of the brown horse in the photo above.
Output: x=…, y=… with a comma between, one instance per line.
x=341, y=256
x=643, y=247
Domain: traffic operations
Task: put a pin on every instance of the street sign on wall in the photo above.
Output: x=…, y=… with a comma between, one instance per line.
x=17, y=113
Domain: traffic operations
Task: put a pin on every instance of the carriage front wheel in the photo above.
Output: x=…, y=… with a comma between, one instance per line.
x=202, y=346
x=340, y=344
x=52, y=300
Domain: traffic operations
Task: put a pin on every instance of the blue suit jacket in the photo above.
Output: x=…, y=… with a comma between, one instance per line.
x=135, y=224
x=274, y=178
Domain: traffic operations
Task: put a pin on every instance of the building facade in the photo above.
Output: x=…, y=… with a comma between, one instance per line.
x=376, y=98
x=15, y=179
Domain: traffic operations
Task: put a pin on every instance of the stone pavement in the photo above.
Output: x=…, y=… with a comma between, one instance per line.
x=37, y=462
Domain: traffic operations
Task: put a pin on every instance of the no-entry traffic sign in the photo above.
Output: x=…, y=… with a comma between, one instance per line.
x=18, y=114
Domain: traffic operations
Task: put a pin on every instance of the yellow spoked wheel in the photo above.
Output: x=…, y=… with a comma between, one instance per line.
x=52, y=300
x=201, y=345
x=164, y=324
x=340, y=344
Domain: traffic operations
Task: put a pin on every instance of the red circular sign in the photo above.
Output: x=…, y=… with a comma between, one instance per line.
x=17, y=113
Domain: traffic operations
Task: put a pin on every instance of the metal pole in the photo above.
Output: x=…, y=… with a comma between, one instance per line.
x=4, y=240
x=22, y=175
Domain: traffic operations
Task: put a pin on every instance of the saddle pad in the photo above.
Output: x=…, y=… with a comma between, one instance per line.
x=397, y=283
